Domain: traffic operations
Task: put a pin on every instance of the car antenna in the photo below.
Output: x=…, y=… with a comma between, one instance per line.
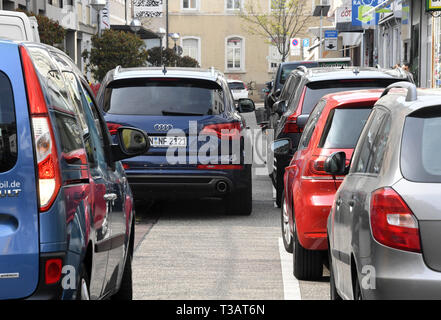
x=164, y=71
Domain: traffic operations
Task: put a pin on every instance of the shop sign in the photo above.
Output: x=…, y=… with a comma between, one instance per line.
x=433, y=5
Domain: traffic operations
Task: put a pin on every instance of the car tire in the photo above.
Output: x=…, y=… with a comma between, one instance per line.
x=307, y=264
x=286, y=232
x=333, y=290
x=279, y=186
x=125, y=291
x=240, y=201
x=83, y=288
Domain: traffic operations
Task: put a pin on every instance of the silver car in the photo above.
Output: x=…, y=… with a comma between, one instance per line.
x=384, y=229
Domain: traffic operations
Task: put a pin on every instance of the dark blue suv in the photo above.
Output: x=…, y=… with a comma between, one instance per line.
x=66, y=209
x=199, y=146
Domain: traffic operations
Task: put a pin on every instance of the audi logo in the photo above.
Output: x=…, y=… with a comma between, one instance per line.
x=163, y=127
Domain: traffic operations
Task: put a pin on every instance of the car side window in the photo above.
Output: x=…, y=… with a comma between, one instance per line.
x=310, y=125
x=379, y=147
x=366, y=145
x=284, y=95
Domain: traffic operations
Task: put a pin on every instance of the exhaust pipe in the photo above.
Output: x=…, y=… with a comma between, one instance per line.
x=222, y=186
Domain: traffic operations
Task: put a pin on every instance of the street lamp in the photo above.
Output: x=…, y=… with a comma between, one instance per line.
x=175, y=37
x=135, y=25
x=98, y=5
x=161, y=33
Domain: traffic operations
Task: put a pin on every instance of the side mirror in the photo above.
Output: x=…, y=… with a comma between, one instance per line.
x=277, y=93
x=336, y=164
x=279, y=107
x=282, y=147
x=246, y=105
x=302, y=120
x=132, y=142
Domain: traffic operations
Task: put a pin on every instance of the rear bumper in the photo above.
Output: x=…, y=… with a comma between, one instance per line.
x=312, y=211
x=191, y=184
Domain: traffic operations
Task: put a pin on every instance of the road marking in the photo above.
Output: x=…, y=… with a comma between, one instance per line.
x=291, y=287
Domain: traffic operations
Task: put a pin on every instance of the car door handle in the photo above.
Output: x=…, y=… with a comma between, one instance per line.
x=110, y=197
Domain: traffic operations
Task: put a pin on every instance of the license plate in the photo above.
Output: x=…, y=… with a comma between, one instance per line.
x=166, y=141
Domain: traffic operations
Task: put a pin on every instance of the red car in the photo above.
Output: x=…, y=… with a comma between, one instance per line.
x=334, y=125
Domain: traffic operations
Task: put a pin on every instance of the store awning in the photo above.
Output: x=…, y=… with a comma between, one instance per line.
x=143, y=33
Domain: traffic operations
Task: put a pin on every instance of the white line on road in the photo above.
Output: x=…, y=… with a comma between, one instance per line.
x=291, y=287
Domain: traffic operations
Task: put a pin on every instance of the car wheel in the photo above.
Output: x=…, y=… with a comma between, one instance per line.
x=279, y=186
x=83, y=289
x=307, y=264
x=240, y=202
x=125, y=291
x=286, y=232
x=333, y=290
x=357, y=290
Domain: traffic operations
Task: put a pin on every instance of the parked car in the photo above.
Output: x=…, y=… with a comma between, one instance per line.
x=282, y=74
x=334, y=125
x=303, y=89
x=66, y=206
x=384, y=226
x=18, y=26
x=175, y=107
x=238, y=89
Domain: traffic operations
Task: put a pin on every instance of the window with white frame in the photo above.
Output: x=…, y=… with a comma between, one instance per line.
x=235, y=53
x=191, y=48
x=234, y=4
x=190, y=4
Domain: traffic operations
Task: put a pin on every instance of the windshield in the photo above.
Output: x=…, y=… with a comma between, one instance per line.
x=421, y=147
x=343, y=128
x=158, y=97
x=316, y=90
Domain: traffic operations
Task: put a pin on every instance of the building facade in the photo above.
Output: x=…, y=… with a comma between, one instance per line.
x=212, y=32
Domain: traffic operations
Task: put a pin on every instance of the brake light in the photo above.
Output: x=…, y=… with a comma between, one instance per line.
x=229, y=130
x=291, y=125
x=392, y=222
x=49, y=178
x=317, y=165
x=53, y=271
x=113, y=127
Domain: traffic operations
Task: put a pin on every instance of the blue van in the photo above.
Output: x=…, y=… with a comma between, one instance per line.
x=66, y=209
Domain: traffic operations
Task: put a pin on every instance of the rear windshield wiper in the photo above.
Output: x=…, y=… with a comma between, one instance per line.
x=176, y=113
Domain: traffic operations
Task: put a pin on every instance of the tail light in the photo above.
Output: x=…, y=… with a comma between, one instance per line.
x=317, y=165
x=392, y=222
x=49, y=178
x=229, y=130
x=291, y=125
x=53, y=271
x=113, y=127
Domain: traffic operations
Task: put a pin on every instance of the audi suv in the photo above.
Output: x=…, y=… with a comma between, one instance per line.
x=197, y=135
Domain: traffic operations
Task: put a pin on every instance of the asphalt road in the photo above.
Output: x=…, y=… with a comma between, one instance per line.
x=194, y=250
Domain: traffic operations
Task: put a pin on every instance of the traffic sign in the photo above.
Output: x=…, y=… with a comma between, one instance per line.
x=331, y=40
x=295, y=46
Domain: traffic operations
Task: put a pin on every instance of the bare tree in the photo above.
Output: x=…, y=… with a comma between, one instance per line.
x=284, y=21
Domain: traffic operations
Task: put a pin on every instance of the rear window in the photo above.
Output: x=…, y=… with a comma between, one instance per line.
x=8, y=126
x=421, y=147
x=236, y=86
x=164, y=97
x=316, y=90
x=343, y=128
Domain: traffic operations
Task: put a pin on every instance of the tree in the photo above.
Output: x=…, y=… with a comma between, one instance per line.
x=49, y=30
x=169, y=58
x=112, y=49
x=286, y=19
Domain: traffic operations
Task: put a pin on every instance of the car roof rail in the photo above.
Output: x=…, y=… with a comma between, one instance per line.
x=303, y=68
x=412, y=94
x=117, y=70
